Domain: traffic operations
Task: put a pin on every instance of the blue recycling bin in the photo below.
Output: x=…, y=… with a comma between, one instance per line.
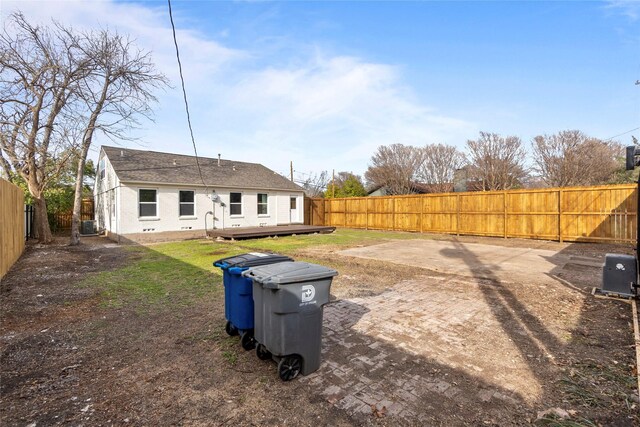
x=238, y=292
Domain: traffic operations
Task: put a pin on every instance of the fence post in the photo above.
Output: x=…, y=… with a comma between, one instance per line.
x=421, y=211
x=560, y=215
x=457, y=215
x=366, y=213
x=393, y=213
x=504, y=202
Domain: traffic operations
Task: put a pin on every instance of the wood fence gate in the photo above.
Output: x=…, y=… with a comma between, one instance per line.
x=62, y=220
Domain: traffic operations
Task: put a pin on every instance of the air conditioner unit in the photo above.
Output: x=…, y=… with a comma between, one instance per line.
x=88, y=227
x=619, y=275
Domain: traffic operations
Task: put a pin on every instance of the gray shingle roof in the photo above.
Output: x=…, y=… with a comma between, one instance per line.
x=166, y=168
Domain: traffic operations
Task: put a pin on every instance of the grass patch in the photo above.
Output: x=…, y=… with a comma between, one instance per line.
x=340, y=237
x=230, y=356
x=170, y=274
x=592, y=384
x=181, y=273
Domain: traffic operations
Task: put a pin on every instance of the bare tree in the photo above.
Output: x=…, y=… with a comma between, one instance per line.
x=57, y=88
x=117, y=91
x=315, y=184
x=40, y=71
x=395, y=167
x=497, y=162
x=572, y=158
x=439, y=165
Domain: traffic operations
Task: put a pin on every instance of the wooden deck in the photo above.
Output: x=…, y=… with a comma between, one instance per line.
x=280, y=230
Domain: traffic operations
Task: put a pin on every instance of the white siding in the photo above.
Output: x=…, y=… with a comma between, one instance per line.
x=105, y=191
x=168, y=218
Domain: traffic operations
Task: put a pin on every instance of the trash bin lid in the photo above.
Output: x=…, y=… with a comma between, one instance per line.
x=289, y=272
x=251, y=259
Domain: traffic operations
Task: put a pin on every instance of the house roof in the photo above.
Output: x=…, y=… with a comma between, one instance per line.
x=167, y=168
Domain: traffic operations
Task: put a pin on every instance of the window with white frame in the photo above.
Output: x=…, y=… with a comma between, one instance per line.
x=263, y=206
x=187, y=203
x=235, y=203
x=147, y=203
x=101, y=169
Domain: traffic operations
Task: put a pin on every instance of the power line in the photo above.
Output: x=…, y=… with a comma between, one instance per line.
x=623, y=133
x=184, y=94
x=320, y=186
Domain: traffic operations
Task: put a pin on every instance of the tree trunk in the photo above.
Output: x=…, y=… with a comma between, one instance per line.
x=77, y=201
x=43, y=231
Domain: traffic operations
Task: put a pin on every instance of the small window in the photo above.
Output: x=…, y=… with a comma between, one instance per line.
x=187, y=203
x=101, y=168
x=292, y=202
x=148, y=203
x=235, y=203
x=262, y=204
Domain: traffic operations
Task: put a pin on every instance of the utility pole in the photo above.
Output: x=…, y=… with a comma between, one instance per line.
x=333, y=184
x=291, y=167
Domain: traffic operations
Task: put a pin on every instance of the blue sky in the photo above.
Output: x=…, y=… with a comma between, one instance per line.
x=324, y=83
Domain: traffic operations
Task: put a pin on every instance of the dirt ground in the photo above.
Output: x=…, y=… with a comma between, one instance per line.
x=66, y=358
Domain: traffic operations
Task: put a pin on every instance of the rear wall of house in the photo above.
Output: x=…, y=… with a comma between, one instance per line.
x=169, y=219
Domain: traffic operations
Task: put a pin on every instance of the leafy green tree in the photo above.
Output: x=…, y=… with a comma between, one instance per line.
x=346, y=184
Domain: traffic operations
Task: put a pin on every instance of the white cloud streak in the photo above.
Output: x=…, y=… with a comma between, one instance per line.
x=325, y=112
x=628, y=8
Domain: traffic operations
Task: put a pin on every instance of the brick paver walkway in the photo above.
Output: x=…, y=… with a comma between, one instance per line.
x=433, y=350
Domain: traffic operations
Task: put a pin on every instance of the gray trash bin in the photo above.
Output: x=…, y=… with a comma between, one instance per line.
x=288, y=300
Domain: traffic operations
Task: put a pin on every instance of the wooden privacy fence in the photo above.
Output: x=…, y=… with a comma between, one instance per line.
x=598, y=214
x=62, y=220
x=12, y=221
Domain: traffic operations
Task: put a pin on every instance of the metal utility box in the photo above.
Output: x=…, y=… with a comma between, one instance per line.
x=88, y=227
x=619, y=275
x=288, y=313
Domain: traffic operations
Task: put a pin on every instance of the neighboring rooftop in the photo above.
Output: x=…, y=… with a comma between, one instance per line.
x=167, y=168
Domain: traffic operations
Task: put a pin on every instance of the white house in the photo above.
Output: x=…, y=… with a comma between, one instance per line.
x=147, y=195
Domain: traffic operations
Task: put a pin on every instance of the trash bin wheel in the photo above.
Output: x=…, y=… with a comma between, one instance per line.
x=230, y=329
x=289, y=367
x=247, y=341
x=262, y=352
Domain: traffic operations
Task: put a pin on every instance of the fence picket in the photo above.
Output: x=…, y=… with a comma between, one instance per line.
x=599, y=214
x=12, y=225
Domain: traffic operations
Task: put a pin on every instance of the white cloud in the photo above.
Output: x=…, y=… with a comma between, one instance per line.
x=323, y=112
x=149, y=26
x=628, y=8
x=338, y=109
